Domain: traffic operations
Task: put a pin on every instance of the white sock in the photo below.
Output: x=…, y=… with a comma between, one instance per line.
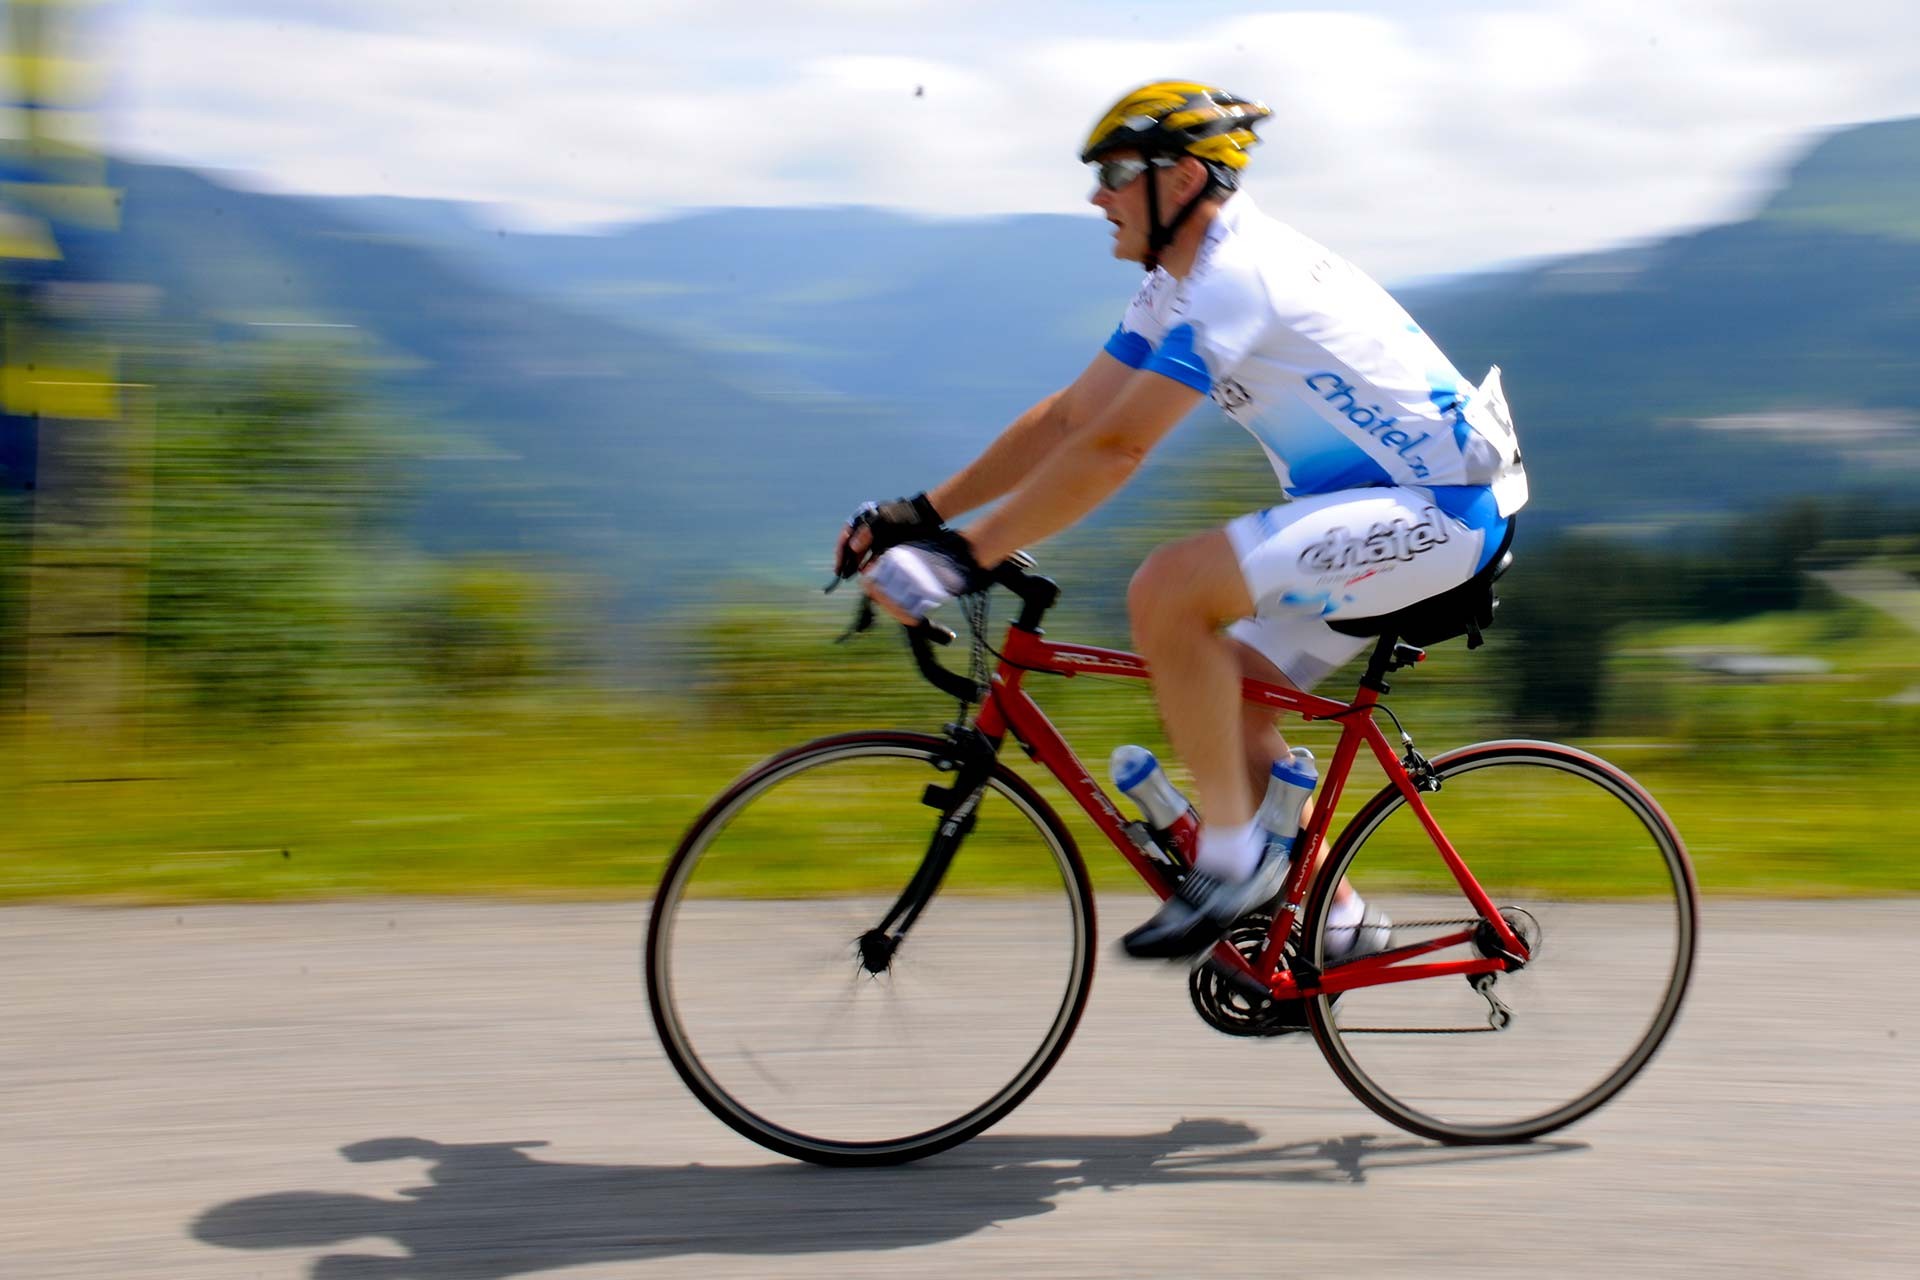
x=1230, y=853
x=1345, y=914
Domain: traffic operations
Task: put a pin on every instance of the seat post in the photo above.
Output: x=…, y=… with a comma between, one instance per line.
x=1381, y=663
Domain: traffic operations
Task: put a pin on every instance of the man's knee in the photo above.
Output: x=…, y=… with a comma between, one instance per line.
x=1195, y=581
x=1154, y=593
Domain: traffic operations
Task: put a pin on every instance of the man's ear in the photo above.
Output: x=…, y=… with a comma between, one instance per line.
x=1193, y=177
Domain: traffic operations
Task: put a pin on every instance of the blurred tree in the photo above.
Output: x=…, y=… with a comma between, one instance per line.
x=1759, y=564
x=281, y=584
x=478, y=626
x=273, y=489
x=751, y=666
x=1570, y=598
x=17, y=458
x=1559, y=610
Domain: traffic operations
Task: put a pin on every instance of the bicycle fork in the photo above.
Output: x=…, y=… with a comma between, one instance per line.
x=957, y=804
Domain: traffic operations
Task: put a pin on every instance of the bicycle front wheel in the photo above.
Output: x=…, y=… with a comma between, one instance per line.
x=800, y=1038
x=1585, y=866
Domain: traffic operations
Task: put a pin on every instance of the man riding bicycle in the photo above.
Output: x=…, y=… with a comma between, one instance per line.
x=1401, y=475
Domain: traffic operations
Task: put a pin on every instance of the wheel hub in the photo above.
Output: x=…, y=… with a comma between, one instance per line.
x=1523, y=924
x=876, y=950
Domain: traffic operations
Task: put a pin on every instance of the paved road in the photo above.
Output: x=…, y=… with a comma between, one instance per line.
x=446, y=1091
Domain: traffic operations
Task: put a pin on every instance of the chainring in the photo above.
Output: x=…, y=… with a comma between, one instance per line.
x=1226, y=1009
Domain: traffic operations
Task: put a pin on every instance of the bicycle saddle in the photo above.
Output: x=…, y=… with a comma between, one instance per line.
x=1465, y=610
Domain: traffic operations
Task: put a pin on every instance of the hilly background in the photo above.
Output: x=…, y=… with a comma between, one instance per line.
x=209, y=617
x=673, y=401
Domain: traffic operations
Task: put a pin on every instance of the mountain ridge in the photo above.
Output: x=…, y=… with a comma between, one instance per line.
x=596, y=441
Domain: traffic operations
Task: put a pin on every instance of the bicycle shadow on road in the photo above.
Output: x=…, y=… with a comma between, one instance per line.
x=491, y=1211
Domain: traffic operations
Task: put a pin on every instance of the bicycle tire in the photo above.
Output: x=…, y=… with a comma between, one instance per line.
x=666, y=1002
x=1339, y=1035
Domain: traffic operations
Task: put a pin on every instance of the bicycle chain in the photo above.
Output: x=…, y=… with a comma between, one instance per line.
x=978, y=670
x=1398, y=926
x=1416, y=1031
x=1410, y=1031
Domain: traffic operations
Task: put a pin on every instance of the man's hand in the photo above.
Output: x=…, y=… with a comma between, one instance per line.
x=878, y=527
x=911, y=581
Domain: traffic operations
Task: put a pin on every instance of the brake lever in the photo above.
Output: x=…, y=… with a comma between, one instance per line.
x=862, y=619
x=845, y=570
x=935, y=632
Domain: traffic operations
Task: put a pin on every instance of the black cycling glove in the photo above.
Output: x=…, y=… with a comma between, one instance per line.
x=889, y=524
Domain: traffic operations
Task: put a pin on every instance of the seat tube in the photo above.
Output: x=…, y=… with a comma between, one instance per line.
x=1312, y=839
x=1354, y=730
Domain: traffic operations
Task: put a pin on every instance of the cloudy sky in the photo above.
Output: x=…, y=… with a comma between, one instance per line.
x=1415, y=137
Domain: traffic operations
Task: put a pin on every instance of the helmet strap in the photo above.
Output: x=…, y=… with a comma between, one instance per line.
x=1161, y=235
x=1155, y=240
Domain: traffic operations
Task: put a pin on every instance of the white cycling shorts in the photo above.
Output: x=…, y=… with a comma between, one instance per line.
x=1352, y=554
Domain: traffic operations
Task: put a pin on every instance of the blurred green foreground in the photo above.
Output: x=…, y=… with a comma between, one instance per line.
x=450, y=729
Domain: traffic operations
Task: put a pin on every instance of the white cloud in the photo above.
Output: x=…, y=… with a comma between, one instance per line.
x=1413, y=141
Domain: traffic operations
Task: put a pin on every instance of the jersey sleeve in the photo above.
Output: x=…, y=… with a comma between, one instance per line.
x=1141, y=327
x=1128, y=347
x=1177, y=358
x=1226, y=315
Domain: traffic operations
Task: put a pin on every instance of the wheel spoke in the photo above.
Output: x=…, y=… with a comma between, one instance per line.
x=1586, y=871
x=758, y=986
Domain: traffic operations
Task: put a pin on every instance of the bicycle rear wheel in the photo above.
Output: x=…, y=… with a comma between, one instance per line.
x=767, y=1005
x=1585, y=866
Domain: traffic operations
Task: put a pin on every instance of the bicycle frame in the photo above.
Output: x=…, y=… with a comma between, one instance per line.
x=1009, y=708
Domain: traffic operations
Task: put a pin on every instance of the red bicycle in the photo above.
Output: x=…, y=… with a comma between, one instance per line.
x=938, y=958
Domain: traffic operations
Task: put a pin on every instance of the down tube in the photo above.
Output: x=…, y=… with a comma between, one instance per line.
x=1031, y=726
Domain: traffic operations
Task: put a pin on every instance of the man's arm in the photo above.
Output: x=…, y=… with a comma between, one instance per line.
x=1014, y=453
x=1030, y=439
x=1087, y=468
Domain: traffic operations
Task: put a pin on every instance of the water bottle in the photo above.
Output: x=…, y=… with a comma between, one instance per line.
x=1141, y=779
x=1289, y=783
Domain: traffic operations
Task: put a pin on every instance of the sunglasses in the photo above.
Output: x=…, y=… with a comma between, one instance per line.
x=1115, y=174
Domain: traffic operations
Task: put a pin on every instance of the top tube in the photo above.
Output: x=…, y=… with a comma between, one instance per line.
x=1026, y=650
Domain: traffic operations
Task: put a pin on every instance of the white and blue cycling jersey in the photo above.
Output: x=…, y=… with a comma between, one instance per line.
x=1333, y=378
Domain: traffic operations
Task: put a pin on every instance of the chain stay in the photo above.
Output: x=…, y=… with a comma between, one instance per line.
x=1499, y=1016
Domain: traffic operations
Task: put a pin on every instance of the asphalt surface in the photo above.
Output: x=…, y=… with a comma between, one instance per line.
x=449, y=1090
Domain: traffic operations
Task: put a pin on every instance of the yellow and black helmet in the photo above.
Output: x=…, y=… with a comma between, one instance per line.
x=1176, y=117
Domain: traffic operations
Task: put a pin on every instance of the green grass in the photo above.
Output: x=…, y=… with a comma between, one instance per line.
x=1790, y=787
x=503, y=800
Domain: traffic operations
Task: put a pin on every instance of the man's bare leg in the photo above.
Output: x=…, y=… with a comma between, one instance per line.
x=1260, y=734
x=1259, y=726
x=1178, y=601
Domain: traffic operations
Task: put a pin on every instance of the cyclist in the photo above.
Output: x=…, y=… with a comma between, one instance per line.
x=1401, y=475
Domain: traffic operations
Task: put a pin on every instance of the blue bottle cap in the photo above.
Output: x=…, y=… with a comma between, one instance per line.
x=1137, y=771
x=1288, y=771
